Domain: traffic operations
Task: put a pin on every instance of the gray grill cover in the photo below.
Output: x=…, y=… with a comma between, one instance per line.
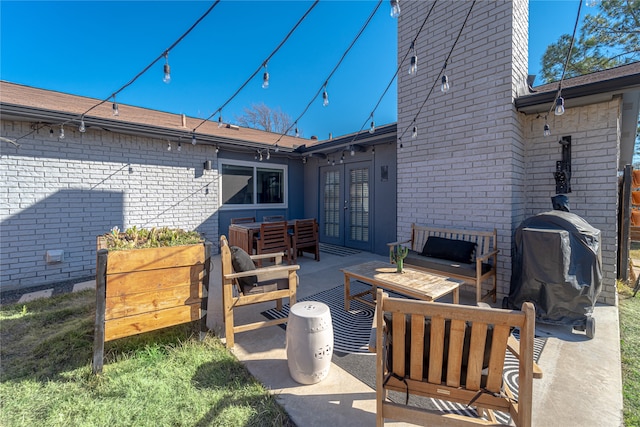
x=557, y=265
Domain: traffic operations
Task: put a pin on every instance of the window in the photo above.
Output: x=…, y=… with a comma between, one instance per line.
x=245, y=184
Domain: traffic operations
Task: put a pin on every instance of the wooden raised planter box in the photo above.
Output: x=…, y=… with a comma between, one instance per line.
x=142, y=290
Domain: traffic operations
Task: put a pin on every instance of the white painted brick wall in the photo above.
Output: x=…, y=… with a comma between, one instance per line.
x=61, y=194
x=464, y=167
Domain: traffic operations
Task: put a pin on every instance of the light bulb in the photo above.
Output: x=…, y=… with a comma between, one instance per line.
x=395, y=8
x=268, y=154
x=445, y=84
x=51, y=133
x=265, y=80
x=261, y=156
x=168, y=146
x=547, y=130
x=413, y=66
x=559, y=106
x=276, y=148
x=167, y=69
x=414, y=132
x=193, y=139
x=304, y=160
x=217, y=149
x=333, y=162
x=342, y=158
x=179, y=146
x=372, y=129
x=352, y=152
x=325, y=98
x=61, y=134
x=82, y=127
x=401, y=146
x=220, y=121
x=297, y=132
x=114, y=107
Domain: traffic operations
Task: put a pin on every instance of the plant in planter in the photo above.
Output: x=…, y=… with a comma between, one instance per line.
x=148, y=280
x=397, y=254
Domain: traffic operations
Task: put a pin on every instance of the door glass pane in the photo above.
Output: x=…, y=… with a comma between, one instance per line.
x=332, y=204
x=270, y=185
x=359, y=204
x=237, y=185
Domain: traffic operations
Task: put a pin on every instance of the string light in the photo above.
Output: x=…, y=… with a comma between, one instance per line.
x=82, y=128
x=401, y=146
x=372, y=128
x=220, y=121
x=547, y=129
x=297, y=133
x=193, y=138
x=342, y=158
x=260, y=155
x=395, y=8
x=51, y=132
x=168, y=146
x=304, y=160
x=217, y=149
x=414, y=132
x=444, y=87
x=352, y=152
x=114, y=106
x=325, y=97
x=179, y=146
x=265, y=78
x=61, y=134
x=167, y=69
x=559, y=106
x=268, y=154
x=276, y=148
x=413, y=64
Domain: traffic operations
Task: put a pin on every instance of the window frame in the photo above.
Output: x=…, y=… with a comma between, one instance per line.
x=255, y=166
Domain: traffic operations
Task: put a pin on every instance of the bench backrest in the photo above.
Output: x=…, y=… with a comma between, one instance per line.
x=486, y=240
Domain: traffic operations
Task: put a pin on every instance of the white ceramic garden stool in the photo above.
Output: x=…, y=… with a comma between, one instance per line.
x=309, y=341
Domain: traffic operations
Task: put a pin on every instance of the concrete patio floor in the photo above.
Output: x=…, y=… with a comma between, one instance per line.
x=581, y=384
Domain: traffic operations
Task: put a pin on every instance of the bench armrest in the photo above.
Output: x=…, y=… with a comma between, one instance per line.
x=399, y=243
x=485, y=257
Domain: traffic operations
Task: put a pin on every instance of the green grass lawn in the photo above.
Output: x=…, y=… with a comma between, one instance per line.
x=629, y=309
x=162, y=378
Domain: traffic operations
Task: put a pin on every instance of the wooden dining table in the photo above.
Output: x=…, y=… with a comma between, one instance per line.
x=242, y=235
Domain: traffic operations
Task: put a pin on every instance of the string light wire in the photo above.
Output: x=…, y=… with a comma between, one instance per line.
x=130, y=82
x=335, y=68
x=262, y=65
x=438, y=79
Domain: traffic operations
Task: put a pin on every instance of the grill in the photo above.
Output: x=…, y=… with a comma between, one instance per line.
x=557, y=265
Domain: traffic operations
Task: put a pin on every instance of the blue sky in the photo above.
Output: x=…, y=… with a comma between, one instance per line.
x=93, y=48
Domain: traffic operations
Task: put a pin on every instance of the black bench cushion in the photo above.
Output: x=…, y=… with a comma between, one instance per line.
x=427, y=345
x=449, y=249
x=444, y=266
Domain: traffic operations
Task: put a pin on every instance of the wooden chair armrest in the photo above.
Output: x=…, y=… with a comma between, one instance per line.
x=265, y=270
x=276, y=255
x=488, y=255
x=513, y=345
x=374, y=329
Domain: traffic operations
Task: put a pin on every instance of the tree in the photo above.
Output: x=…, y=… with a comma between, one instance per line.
x=606, y=40
x=260, y=116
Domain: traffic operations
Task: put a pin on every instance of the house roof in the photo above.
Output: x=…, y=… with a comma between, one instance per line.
x=584, y=89
x=55, y=108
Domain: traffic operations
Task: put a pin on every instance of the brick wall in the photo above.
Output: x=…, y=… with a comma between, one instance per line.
x=594, y=131
x=61, y=194
x=466, y=167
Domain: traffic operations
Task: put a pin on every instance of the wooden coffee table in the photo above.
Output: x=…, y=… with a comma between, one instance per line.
x=412, y=282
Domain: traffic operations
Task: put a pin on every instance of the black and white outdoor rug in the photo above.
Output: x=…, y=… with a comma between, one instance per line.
x=337, y=250
x=351, y=331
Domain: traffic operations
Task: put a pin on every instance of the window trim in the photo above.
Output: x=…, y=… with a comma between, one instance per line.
x=255, y=166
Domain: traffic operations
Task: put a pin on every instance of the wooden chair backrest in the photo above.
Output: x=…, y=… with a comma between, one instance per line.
x=274, y=238
x=305, y=232
x=244, y=220
x=410, y=373
x=273, y=218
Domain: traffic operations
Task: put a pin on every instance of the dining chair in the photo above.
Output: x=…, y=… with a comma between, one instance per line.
x=455, y=353
x=244, y=284
x=273, y=218
x=244, y=220
x=305, y=238
x=274, y=237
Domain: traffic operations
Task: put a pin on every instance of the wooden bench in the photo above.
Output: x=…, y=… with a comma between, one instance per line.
x=481, y=265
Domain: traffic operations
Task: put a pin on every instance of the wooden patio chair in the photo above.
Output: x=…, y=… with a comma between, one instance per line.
x=273, y=237
x=273, y=218
x=244, y=284
x=244, y=220
x=455, y=353
x=305, y=238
